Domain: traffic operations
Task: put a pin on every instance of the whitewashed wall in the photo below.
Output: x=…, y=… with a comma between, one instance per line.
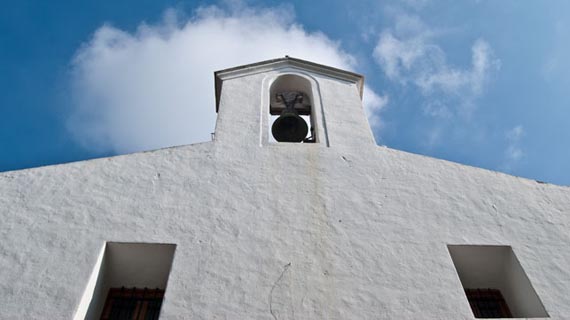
x=350, y=231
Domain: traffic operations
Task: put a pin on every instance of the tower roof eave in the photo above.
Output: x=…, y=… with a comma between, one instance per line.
x=286, y=61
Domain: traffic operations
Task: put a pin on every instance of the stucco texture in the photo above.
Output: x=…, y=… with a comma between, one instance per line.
x=279, y=231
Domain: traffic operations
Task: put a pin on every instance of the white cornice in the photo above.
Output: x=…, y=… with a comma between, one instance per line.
x=280, y=63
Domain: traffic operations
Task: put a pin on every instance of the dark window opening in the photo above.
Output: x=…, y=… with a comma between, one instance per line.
x=488, y=303
x=511, y=294
x=132, y=304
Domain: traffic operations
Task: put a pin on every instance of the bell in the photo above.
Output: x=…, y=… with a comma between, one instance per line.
x=289, y=127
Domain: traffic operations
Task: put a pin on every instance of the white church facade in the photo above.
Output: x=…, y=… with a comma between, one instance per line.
x=291, y=212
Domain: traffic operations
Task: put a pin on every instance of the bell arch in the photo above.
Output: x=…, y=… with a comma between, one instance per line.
x=291, y=109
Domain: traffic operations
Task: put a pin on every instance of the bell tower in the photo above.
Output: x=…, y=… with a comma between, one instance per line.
x=290, y=101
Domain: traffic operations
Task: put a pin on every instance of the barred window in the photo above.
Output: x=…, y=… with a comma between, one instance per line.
x=488, y=303
x=132, y=304
x=495, y=283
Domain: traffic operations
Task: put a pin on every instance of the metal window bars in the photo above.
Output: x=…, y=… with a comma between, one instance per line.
x=488, y=303
x=132, y=304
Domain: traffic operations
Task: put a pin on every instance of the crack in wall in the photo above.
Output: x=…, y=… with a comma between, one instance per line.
x=285, y=268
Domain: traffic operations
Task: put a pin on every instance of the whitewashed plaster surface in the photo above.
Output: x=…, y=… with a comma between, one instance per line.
x=297, y=231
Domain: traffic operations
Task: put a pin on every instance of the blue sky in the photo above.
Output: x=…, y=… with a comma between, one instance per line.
x=484, y=83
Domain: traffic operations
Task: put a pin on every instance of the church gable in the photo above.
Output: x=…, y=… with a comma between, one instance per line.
x=247, y=228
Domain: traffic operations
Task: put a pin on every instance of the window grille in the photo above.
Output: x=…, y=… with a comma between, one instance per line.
x=488, y=303
x=132, y=304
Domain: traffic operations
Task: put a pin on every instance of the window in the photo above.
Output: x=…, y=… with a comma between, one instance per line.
x=132, y=304
x=487, y=303
x=128, y=282
x=495, y=283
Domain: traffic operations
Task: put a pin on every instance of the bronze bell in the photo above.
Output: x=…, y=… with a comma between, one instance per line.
x=290, y=127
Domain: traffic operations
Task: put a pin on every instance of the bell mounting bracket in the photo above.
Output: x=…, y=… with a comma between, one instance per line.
x=293, y=100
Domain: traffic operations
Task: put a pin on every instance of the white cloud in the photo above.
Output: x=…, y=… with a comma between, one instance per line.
x=556, y=66
x=408, y=54
x=515, y=134
x=154, y=87
x=437, y=109
x=373, y=105
x=416, y=4
x=441, y=76
x=513, y=151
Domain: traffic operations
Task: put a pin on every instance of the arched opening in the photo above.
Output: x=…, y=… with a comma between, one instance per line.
x=291, y=110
